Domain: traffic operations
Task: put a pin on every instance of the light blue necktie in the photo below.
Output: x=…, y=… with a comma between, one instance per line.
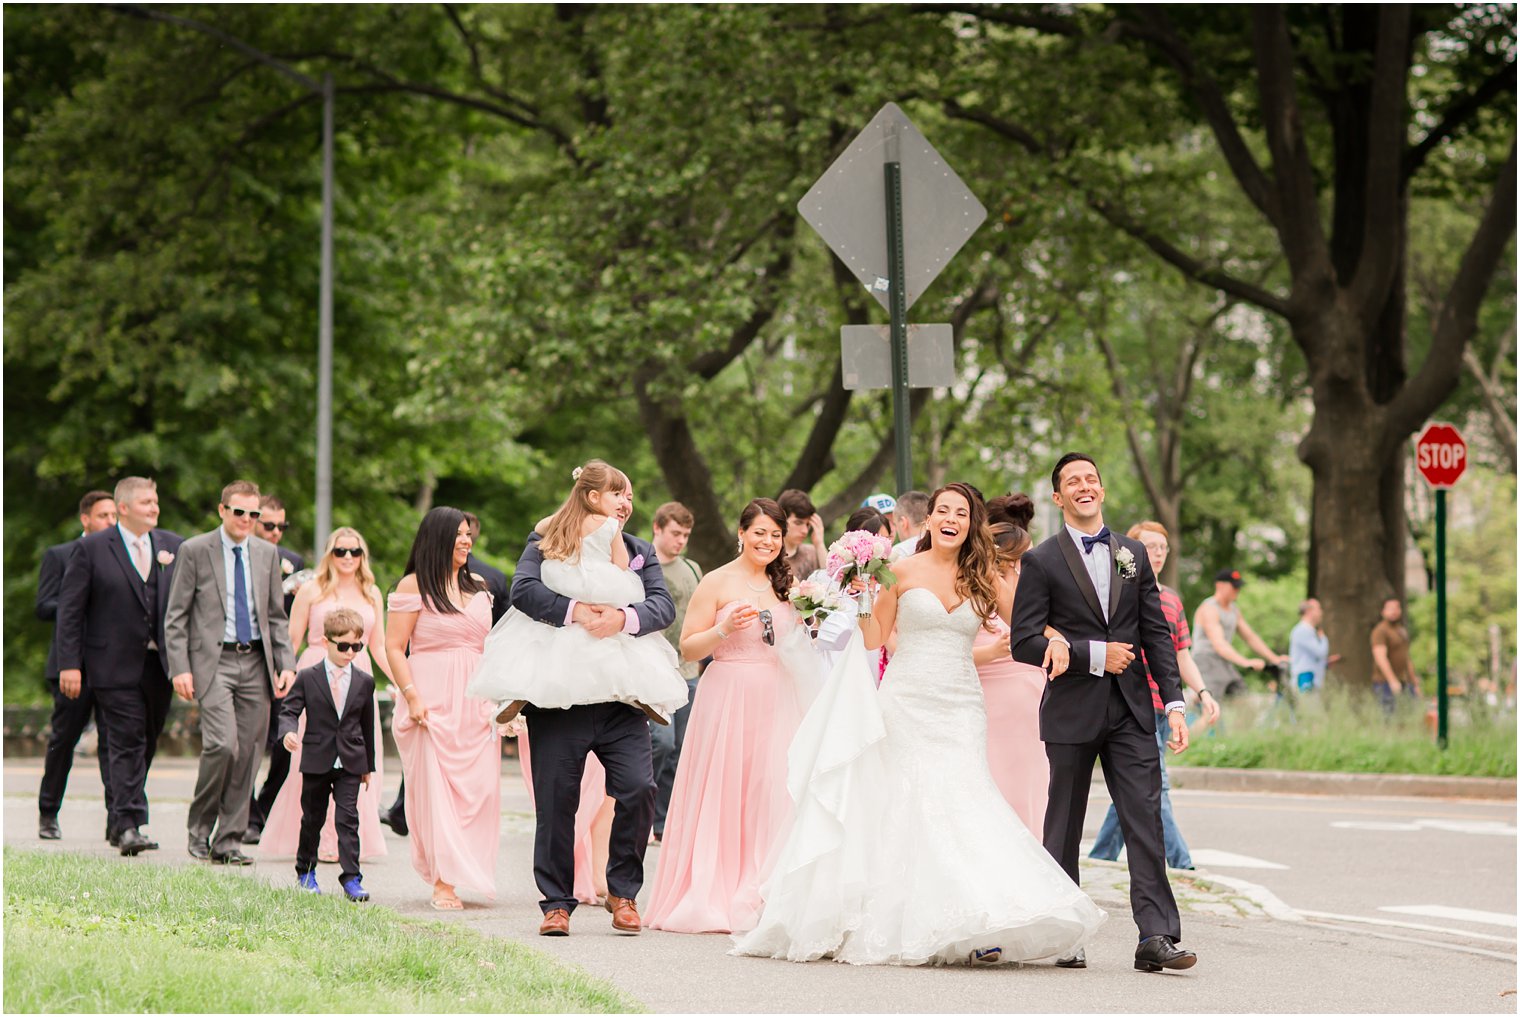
x=241, y=623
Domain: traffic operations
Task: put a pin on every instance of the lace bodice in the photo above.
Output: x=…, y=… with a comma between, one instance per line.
x=927, y=631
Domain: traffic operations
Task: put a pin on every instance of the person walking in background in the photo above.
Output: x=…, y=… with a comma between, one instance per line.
x=805, y=550
x=71, y=714
x=329, y=717
x=343, y=579
x=112, y=627
x=673, y=524
x=1110, y=839
x=272, y=527
x=1392, y=670
x=1309, y=655
x=1220, y=620
x=730, y=804
x=1015, y=509
x=908, y=517
x=450, y=751
x=228, y=649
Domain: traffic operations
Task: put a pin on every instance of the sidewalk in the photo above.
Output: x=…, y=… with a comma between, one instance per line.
x=1250, y=961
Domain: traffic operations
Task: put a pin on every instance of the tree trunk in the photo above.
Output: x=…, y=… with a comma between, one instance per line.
x=687, y=476
x=1357, y=546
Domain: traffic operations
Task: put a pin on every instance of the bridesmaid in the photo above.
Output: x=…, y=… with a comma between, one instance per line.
x=1012, y=692
x=343, y=579
x=729, y=806
x=450, y=749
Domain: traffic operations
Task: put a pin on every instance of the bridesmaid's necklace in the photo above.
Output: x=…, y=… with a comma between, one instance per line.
x=757, y=589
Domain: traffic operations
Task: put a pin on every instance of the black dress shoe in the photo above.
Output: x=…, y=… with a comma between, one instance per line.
x=1160, y=952
x=47, y=828
x=251, y=835
x=200, y=849
x=396, y=821
x=233, y=857
x=1076, y=959
x=111, y=836
x=131, y=842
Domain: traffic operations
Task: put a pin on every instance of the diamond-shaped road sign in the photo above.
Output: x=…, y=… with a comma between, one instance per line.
x=845, y=206
x=866, y=352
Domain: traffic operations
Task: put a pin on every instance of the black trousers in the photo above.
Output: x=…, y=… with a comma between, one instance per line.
x=279, y=769
x=342, y=788
x=619, y=736
x=70, y=717
x=131, y=718
x=1132, y=771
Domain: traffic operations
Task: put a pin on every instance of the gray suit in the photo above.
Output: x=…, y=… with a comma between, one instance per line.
x=232, y=689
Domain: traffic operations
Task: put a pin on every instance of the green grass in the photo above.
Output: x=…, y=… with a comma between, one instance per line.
x=92, y=935
x=1336, y=732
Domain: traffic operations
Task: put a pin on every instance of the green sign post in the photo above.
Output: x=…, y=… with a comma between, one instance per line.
x=1441, y=457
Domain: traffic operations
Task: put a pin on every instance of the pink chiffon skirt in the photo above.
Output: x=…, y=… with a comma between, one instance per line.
x=1015, y=754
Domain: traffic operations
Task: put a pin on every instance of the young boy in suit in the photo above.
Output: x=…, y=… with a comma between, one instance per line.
x=337, y=751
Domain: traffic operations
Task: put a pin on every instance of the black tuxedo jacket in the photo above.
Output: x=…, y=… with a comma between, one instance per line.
x=297, y=563
x=55, y=561
x=107, y=615
x=329, y=738
x=534, y=599
x=1055, y=589
x=496, y=582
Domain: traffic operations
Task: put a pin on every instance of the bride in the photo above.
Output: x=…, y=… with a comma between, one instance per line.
x=902, y=850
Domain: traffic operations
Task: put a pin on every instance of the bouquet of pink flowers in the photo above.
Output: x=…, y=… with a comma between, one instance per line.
x=814, y=599
x=859, y=553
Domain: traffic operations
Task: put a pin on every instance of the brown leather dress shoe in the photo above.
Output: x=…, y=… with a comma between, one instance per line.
x=625, y=914
x=556, y=923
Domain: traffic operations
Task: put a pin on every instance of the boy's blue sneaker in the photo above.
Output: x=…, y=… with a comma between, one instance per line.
x=354, y=890
x=308, y=882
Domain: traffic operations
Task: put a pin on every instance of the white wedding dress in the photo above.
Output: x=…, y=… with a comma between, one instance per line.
x=902, y=850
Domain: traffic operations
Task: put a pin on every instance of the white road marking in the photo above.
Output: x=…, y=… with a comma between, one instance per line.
x=1455, y=914
x=1478, y=827
x=1413, y=926
x=1213, y=858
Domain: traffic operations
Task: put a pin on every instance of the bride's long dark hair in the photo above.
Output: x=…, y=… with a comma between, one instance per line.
x=976, y=565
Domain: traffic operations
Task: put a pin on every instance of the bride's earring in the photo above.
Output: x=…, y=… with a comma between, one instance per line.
x=740, y=549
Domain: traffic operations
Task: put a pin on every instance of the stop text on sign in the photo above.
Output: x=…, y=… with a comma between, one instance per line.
x=1441, y=455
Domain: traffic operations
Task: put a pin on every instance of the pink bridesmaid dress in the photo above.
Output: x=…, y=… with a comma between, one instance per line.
x=1015, y=754
x=453, y=766
x=282, y=828
x=593, y=793
x=729, y=806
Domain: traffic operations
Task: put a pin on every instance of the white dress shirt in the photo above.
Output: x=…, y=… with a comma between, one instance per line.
x=229, y=632
x=131, y=540
x=341, y=676
x=1100, y=569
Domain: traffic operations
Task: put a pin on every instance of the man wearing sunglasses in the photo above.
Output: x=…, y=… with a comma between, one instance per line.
x=272, y=527
x=229, y=650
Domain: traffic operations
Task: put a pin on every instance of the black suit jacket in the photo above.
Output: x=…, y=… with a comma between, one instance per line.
x=104, y=625
x=496, y=582
x=1055, y=589
x=534, y=599
x=297, y=563
x=55, y=561
x=349, y=739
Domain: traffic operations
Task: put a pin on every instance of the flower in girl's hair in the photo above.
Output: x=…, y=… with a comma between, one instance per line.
x=575, y=474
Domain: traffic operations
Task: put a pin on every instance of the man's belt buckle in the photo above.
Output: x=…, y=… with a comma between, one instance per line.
x=243, y=647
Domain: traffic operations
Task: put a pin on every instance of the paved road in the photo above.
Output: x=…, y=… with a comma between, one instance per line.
x=1340, y=859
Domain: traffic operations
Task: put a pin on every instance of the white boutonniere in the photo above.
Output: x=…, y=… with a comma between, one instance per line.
x=286, y=567
x=165, y=558
x=1124, y=558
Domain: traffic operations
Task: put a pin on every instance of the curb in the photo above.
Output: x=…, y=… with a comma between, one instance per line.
x=1300, y=782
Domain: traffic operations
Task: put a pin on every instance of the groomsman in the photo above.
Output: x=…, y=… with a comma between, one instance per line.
x=229, y=650
x=111, y=626
x=272, y=527
x=97, y=511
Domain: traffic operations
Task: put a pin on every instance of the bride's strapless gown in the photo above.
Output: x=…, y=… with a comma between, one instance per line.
x=903, y=851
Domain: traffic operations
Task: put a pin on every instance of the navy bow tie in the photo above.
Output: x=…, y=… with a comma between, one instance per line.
x=1101, y=537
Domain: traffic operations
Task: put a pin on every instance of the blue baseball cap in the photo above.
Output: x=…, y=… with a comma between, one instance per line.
x=883, y=503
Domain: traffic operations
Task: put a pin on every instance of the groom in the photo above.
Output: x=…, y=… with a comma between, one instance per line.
x=1097, y=590
x=616, y=732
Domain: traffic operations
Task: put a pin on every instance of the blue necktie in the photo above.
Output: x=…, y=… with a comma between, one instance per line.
x=241, y=623
x=1101, y=537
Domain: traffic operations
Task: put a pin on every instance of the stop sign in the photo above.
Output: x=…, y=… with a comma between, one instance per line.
x=1440, y=455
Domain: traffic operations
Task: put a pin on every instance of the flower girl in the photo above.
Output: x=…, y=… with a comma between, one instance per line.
x=585, y=559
